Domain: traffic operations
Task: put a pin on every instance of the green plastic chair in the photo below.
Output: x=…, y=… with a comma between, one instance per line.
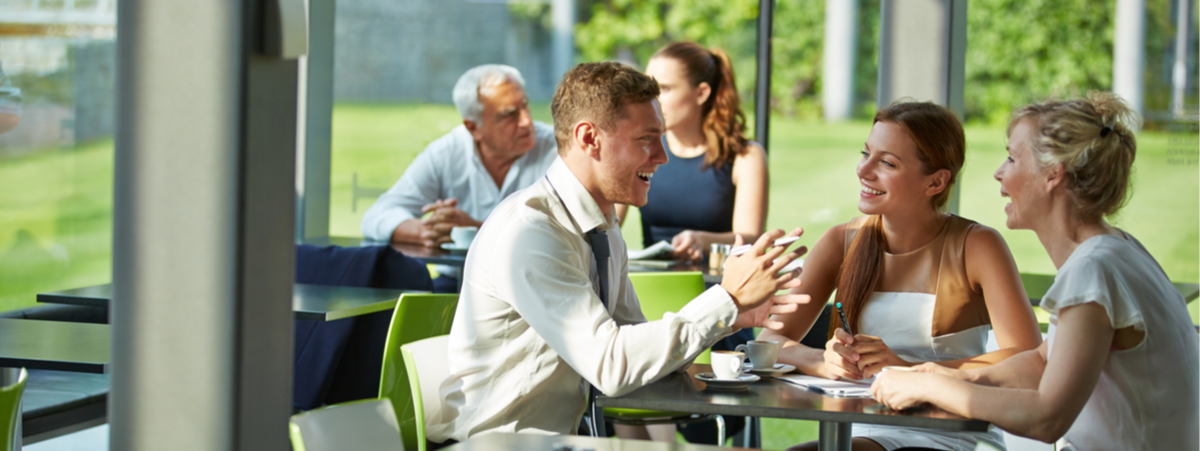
x=366, y=424
x=426, y=363
x=417, y=316
x=1043, y=318
x=659, y=293
x=662, y=292
x=10, y=406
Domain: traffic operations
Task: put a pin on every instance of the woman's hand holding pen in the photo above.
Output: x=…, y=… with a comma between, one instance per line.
x=841, y=360
x=874, y=355
x=858, y=357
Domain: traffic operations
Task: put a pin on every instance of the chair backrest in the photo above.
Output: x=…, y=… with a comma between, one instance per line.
x=417, y=316
x=10, y=405
x=427, y=368
x=662, y=292
x=368, y=424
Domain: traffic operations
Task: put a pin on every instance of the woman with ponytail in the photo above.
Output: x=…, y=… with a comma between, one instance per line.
x=1119, y=368
x=715, y=183
x=917, y=284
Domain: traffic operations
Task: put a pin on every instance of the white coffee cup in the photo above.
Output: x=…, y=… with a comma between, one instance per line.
x=762, y=353
x=727, y=364
x=462, y=236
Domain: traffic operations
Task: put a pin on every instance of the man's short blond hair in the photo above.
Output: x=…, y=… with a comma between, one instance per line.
x=597, y=92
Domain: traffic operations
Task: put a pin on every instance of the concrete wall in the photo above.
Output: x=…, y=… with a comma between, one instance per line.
x=94, y=64
x=414, y=50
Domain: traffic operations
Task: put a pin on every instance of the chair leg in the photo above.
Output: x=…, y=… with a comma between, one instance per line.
x=596, y=425
x=752, y=434
x=720, y=430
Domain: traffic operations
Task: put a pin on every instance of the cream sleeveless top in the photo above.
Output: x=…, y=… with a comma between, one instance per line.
x=925, y=310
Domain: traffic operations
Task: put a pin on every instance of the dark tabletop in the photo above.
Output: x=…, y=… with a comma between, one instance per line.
x=680, y=392
x=535, y=442
x=317, y=302
x=54, y=345
x=425, y=254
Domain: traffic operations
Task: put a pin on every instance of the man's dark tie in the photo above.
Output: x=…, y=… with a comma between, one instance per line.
x=600, y=250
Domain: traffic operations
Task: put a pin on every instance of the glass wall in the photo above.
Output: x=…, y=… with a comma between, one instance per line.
x=1058, y=50
x=393, y=83
x=58, y=61
x=393, y=74
x=395, y=66
x=394, y=71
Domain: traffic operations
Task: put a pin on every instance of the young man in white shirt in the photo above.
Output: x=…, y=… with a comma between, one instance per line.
x=461, y=176
x=531, y=333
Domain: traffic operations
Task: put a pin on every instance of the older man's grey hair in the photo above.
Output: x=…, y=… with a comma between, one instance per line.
x=466, y=91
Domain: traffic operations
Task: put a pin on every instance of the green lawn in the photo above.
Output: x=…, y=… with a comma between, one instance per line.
x=56, y=204
x=812, y=180
x=55, y=221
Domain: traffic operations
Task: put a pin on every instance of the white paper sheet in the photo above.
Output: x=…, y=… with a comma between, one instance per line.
x=840, y=388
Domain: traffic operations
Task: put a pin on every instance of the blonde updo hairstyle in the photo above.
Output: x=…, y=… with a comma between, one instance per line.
x=1093, y=140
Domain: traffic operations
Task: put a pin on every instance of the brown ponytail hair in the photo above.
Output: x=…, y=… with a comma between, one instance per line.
x=941, y=144
x=724, y=123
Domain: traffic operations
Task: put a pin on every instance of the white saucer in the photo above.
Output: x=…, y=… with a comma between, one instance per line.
x=455, y=249
x=740, y=383
x=779, y=369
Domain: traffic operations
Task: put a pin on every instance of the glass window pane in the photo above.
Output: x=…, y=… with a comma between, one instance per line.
x=395, y=68
x=57, y=86
x=390, y=103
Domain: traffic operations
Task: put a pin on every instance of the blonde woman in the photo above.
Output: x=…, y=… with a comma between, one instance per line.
x=1119, y=369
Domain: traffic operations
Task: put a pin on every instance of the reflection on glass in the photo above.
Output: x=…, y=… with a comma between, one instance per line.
x=58, y=63
x=393, y=78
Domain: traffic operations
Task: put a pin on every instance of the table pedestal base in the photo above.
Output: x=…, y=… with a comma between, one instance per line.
x=9, y=376
x=834, y=436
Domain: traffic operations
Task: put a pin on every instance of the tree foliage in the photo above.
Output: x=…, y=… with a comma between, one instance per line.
x=1018, y=51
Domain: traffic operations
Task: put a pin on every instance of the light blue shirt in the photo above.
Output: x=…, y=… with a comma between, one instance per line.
x=450, y=168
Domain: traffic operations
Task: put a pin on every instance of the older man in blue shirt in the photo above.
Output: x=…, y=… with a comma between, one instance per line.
x=462, y=176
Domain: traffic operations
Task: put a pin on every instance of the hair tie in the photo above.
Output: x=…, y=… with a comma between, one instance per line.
x=1105, y=131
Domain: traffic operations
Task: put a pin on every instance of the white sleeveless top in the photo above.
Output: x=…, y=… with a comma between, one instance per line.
x=925, y=310
x=1146, y=398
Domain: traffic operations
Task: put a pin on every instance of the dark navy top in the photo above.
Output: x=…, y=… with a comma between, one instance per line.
x=684, y=195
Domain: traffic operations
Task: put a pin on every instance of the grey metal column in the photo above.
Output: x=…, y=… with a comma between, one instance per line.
x=312, y=170
x=833, y=436
x=762, y=134
x=922, y=55
x=762, y=82
x=841, y=49
x=563, y=39
x=1129, y=52
x=1179, y=72
x=202, y=245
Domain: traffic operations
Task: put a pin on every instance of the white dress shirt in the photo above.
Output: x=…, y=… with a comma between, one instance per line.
x=449, y=167
x=530, y=333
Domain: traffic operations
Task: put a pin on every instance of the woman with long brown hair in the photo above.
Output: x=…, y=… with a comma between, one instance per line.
x=715, y=183
x=1119, y=367
x=917, y=284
